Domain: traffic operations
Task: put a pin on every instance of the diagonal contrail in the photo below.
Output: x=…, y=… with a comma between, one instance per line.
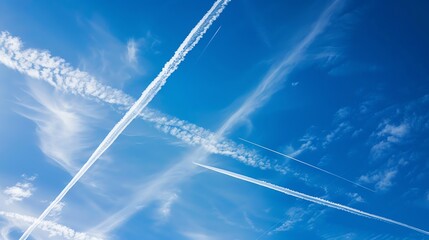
x=148, y=94
x=311, y=198
x=54, y=229
x=210, y=41
x=270, y=83
x=39, y=64
x=307, y=164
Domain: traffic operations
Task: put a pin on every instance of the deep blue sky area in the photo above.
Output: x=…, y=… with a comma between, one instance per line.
x=335, y=93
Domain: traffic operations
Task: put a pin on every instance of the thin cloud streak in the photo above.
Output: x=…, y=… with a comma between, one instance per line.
x=148, y=94
x=307, y=164
x=276, y=76
x=311, y=198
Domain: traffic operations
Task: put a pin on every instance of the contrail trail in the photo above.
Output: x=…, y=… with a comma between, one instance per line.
x=54, y=229
x=311, y=198
x=307, y=164
x=39, y=64
x=211, y=39
x=148, y=94
x=258, y=97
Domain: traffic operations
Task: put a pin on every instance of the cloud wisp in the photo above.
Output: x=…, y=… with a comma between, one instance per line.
x=278, y=73
x=148, y=94
x=307, y=164
x=312, y=199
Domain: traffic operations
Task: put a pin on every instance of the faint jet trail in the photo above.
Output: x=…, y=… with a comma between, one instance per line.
x=307, y=164
x=148, y=94
x=311, y=198
x=211, y=39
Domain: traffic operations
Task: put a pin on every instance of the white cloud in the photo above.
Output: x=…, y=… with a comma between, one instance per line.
x=62, y=124
x=388, y=135
x=342, y=113
x=356, y=197
x=383, y=180
x=132, y=50
x=167, y=201
x=56, y=211
x=339, y=131
x=20, y=191
x=198, y=236
x=394, y=132
x=307, y=144
x=294, y=215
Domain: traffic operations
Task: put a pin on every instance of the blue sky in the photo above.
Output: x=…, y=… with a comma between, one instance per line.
x=340, y=85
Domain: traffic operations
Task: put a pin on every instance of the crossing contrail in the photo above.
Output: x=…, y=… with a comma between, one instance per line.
x=148, y=94
x=57, y=72
x=307, y=164
x=311, y=198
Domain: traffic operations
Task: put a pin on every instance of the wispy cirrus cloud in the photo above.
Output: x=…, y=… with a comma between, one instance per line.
x=62, y=126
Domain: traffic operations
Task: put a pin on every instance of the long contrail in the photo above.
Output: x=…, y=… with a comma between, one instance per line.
x=40, y=64
x=260, y=95
x=311, y=198
x=307, y=164
x=54, y=229
x=148, y=94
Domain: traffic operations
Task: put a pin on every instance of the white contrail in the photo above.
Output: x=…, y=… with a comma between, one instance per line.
x=54, y=229
x=307, y=164
x=210, y=41
x=39, y=64
x=56, y=71
x=311, y=198
x=258, y=97
x=148, y=94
